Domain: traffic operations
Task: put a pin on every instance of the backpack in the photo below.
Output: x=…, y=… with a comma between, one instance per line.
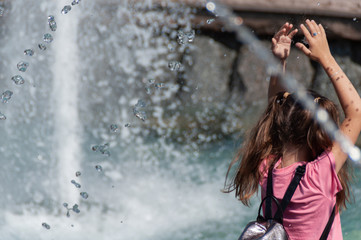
x=268, y=227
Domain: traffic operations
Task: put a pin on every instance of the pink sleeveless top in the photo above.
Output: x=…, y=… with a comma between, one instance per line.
x=311, y=205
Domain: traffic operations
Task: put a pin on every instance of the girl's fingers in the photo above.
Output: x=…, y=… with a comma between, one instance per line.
x=305, y=32
x=322, y=30
x=274, y=42
x=311, y=27
x=316, y=27
x=293, y=33
x=288, y=29
x=303, y=48
x=280, y=32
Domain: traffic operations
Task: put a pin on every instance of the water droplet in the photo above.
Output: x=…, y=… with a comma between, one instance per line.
x=102, y=149
x=45, y=225
x=209, y=21
x=322, y=116
x=148, y=90
x=65, y=205
x=18, y=80
x=42, y=47
x=190, y=36
x=171, y=47
x=2, y=10
x=75, y=208
x=52, y=23
x=127, y=125
x=29, y=52
x=98, y=168
x=2, y=116
x=22, y=66
x=298, y=57
x=77, y=185
x=66, y=9
x=354, y=19
x=84, y=195
x=175, y=66
x=211, y=6
x=5, y=97
x=185, y=37
x=114, y=128
x=77, y=174
x=159, y=85
x=106, y=153
x=140, y=104
x=48, y=38
x=140, y=114
x=355, y=153
x=318, y=3
x=75, y=2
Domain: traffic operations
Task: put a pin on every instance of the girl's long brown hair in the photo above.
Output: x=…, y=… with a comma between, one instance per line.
x=284, y=122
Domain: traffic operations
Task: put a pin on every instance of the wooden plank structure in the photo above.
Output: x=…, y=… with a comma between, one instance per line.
x=342, y=18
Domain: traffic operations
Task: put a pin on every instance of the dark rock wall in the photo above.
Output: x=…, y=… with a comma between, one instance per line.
x=230, y=75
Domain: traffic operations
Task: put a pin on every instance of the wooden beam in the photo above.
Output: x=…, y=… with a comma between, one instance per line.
x=330, y=8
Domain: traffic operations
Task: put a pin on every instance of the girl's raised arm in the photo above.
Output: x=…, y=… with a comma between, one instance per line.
x=281, y=46
x=346, y=92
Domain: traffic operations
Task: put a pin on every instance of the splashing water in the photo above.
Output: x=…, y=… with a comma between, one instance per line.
x=2, y=10
x=75, y=2
x=103, y=149
x=289, y=82
x=45, y=225
x=84, y=195
x=175, y=66
x=22, y=66
x=66, y=9
x=42, y=47
x=29, y=52
x=2, y=116
x=114, y=128
x=52, y=23
x=185, y=37
x=209, y=21
x=5, y=97
x=145, y=179
x=77, y=185
x=18, y=80
x=98, y=168
x=48, y=38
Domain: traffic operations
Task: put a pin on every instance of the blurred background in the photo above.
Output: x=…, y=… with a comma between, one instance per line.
x=122, y=122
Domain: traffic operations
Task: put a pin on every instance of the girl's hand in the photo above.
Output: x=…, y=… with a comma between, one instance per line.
x=318, y=46
x=281, y=42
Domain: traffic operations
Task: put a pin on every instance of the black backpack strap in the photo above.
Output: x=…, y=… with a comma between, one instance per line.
x=300, y=172
x=327, y=229
x=269, y=194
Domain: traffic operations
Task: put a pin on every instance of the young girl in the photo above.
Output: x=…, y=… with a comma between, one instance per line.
x=286, y=136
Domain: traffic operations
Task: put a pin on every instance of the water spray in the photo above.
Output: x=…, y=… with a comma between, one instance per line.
x=235, y=24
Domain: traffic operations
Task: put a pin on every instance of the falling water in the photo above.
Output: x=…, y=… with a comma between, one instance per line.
x=67, y=133
x=79, y=161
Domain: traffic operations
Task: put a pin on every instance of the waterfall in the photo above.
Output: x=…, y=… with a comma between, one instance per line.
x=67, y=129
